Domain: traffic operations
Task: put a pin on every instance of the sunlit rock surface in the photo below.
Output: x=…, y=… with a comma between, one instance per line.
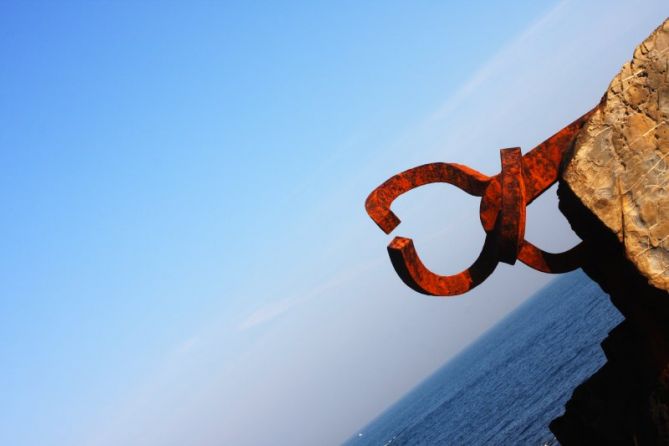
x=615, y=193
x=620, y=165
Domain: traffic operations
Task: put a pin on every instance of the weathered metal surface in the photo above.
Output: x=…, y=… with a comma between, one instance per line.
x=511, y=227
x=379, y=201
x=504, y=198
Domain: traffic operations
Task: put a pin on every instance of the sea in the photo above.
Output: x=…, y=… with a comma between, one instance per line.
x=507, y=386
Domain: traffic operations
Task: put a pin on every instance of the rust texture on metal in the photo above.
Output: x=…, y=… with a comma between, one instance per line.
x=511, y=227
x=504, y=198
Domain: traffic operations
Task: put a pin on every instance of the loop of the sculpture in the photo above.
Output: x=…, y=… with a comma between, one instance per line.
x=403, y=255
x=553, y=263
x=379, y=201
x=503, y=214
x=416, y=276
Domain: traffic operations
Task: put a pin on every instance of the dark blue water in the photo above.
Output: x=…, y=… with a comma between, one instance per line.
x=507, y=386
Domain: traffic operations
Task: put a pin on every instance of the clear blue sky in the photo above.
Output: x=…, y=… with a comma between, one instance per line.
x=186, y=258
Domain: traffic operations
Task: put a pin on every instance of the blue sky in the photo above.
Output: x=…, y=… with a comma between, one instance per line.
x=186, y=255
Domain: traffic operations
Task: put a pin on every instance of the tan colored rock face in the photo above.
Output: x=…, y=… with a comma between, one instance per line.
x=620, y=165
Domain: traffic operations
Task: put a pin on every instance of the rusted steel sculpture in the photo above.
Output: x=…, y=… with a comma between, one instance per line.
x=504, y=198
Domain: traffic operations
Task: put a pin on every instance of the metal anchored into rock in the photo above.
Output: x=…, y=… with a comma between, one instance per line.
x=619, y=168
x=503, y=200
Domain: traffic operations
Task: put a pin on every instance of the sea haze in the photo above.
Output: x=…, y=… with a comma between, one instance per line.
x=508, y=385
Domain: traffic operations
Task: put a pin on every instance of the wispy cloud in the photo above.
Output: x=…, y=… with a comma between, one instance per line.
x=268, y=312
x=187, y=345
x=492, y=67
x=275, y=309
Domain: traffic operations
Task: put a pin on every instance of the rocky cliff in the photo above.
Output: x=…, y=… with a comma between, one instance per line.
x=614, y=191
x=619, y=169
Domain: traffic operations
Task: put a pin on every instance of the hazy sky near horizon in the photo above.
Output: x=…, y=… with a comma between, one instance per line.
x=187, y=259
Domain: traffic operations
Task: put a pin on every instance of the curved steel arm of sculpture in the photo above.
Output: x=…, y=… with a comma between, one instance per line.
x=416, y=276
x=504, y=198
x=547, y=262
x=401, y=250
x=379, y=201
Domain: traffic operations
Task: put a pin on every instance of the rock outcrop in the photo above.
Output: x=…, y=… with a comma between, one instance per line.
x=614, y=191
x=626, y=402
x=620, y=166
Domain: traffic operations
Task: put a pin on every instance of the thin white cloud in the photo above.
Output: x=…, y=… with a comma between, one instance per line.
x=493, y=65
x=273, y=310
x=267, y=313
x=187, y=345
